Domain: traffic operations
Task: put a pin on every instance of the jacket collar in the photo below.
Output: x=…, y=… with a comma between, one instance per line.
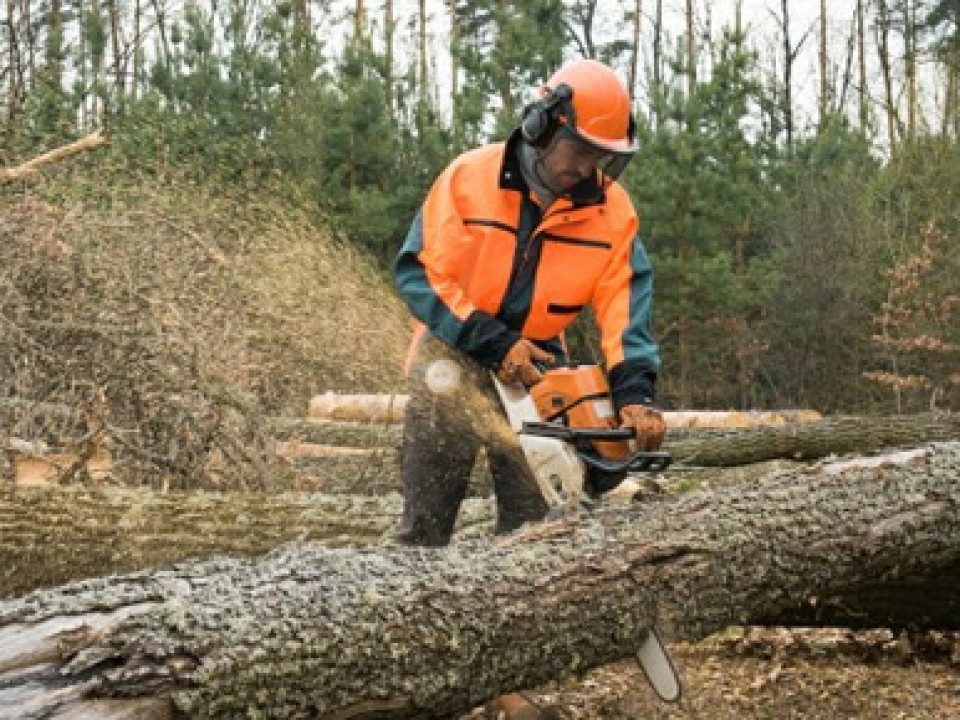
x=585, y=193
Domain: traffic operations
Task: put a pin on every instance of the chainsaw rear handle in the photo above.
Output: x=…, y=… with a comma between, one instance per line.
x=641, y=461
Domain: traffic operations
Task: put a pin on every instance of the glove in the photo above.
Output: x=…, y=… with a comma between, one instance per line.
x=518, y=364
x=648, y=424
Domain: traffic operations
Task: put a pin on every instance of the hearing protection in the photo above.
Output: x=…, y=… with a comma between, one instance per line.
x=540, y=118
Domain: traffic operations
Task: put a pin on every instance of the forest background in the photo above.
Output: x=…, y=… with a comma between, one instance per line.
x=805, y=248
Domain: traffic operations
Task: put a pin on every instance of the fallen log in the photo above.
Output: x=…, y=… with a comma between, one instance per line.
x=333, y=407
x=332, y=432
x=51, y=536
x=402, y=633
x=809, y=441
x=30, y=168
x=370, y=408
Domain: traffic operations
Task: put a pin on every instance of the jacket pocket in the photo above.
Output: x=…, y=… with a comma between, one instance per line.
x=559, y=309
x=582, y=242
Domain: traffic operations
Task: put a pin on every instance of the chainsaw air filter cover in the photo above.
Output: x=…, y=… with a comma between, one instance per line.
x=579, y=397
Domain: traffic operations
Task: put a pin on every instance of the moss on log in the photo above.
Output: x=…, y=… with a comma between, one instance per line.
x=807, y=441
x=53, y=535
x=394, y=632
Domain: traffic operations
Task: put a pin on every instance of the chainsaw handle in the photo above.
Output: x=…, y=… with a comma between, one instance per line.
x=562, y=432
x=641, y=461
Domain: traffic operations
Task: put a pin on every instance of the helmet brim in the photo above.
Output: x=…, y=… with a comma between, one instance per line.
x=614, y=156
x=625, y=146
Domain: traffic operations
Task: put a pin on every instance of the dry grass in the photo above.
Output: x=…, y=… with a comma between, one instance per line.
x=172, y=319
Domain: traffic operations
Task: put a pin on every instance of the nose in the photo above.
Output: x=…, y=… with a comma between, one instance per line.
x=586, y=167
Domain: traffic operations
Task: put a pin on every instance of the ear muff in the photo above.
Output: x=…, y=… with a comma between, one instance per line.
x=540, y=117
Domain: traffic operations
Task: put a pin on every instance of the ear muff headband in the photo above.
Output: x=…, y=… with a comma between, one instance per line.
x=540, y=117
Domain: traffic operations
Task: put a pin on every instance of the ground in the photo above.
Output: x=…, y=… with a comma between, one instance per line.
x=778, y=674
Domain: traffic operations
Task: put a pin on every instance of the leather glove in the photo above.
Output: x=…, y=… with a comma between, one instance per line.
x=518, y=365
x=648, y=424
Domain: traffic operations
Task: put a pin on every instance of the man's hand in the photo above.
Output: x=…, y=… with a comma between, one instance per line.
x=647, y=423
x=518, y=364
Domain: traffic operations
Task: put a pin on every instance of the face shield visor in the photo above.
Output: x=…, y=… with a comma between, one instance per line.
x=609, y=163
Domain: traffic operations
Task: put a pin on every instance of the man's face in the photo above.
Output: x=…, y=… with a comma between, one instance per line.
x=568, y=161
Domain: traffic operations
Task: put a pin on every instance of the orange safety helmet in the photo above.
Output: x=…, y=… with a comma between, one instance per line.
x=589, y=99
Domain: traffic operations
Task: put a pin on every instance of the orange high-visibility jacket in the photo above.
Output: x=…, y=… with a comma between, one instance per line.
x=482, y=266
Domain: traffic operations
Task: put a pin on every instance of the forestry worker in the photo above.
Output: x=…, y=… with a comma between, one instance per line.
x=513, y=240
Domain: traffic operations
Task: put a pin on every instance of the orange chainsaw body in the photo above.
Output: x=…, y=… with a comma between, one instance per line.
x=580, y=398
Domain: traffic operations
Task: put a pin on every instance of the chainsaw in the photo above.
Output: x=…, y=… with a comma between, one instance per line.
x=569, y=435
x=568, y=432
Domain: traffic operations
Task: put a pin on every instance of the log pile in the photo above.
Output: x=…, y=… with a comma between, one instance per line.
x=311, y=631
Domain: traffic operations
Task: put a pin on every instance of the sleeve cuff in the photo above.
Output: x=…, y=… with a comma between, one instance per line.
x=486, y=339
x=632, y=382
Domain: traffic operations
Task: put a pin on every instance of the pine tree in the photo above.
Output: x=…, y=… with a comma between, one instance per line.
x=699, y=188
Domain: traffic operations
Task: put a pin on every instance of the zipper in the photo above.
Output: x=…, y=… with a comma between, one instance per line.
x=539, y=237
x=526, y=254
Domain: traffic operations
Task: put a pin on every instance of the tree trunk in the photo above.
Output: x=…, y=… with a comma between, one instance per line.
x=840, y=95
x=691, y=50
x=894, y=131
x=455, y=51
x=55, y=48
x=138, y=44
x=862, y=92
x=119, y=77
x=824, y=66
x=31, y=167
x=808, y=441
x=910, y=64
x=790, y=53
x=916, y=600
x=388, y=33
x=56, y=535
x=359, y=21
x=658, y=45
x=402, y=633
x=422, y=80
x=635, y=51
x=15, y=86
x=949, y=99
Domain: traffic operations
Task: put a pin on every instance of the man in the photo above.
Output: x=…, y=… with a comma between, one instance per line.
x=512, y=241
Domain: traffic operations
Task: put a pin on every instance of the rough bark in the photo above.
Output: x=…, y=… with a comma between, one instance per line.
x=808, y=441
x=917, y=600
x=399, y=633
x=55, y=535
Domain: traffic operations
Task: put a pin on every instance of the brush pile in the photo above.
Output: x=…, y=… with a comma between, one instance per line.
x=163, y=324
